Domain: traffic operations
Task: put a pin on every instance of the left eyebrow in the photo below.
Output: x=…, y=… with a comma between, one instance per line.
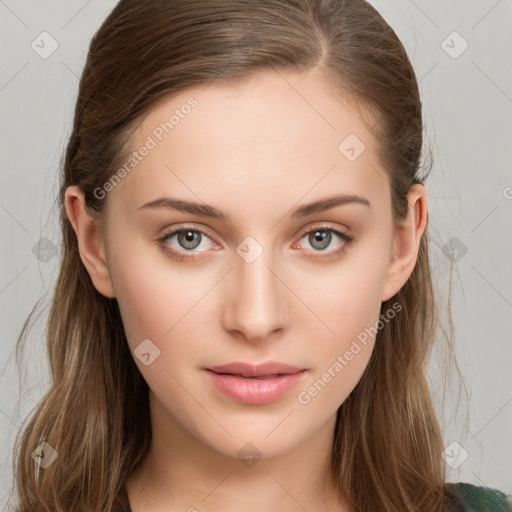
x=210, y=211
x=329, y=202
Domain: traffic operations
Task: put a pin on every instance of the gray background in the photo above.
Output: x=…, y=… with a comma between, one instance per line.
x=467, y=101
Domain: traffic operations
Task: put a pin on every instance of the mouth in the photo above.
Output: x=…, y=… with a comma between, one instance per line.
x=266, y=370
x=255, y=384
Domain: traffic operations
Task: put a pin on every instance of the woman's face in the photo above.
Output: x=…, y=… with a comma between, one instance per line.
x=270, y=281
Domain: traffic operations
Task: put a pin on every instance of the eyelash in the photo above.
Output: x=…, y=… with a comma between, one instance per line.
x=179, y=255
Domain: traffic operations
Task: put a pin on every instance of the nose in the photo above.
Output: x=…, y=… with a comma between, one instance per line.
x=256, y=308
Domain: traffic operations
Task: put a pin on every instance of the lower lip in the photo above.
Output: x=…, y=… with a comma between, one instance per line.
x=255, y=391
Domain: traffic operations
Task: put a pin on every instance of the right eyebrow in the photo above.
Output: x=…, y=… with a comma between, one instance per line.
x=188, y=207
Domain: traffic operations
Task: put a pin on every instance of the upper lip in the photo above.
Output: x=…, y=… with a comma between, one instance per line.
x=251, y=370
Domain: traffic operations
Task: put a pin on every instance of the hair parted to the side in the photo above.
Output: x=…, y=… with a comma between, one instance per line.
x=387, y=448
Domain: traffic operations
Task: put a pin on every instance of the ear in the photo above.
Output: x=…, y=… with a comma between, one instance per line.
x=406, y=243
x=90, y=241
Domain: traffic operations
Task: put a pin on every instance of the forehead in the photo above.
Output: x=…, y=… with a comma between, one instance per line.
x=274, y=139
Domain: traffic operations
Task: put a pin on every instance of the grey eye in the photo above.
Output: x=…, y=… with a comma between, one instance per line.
x=189, y=239
x=320, y=239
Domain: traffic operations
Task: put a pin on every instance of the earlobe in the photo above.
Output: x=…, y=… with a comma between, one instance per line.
x=90, y=241
x=406, y=243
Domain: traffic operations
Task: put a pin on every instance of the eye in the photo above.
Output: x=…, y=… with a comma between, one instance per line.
x=187, y=240
x=321, y=238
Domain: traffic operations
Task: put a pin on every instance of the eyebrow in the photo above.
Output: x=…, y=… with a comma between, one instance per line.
x=206, y=210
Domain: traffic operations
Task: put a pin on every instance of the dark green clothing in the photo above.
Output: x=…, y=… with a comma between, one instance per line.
x=474, y=498
x=462, y=497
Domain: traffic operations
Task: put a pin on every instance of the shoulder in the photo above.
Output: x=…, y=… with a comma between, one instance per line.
x=480, y=499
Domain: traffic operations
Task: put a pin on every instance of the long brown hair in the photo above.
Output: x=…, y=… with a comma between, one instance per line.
x=387, y=446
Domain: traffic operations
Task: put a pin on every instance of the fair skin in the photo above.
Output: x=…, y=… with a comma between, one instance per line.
x=256, y=152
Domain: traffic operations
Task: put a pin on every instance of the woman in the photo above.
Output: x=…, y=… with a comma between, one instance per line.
x=244, y=309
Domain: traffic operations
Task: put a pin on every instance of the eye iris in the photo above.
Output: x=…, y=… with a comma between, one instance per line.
x=188, y=236
x=320, y=236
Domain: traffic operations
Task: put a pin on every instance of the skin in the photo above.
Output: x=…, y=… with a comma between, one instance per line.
x=255, y=152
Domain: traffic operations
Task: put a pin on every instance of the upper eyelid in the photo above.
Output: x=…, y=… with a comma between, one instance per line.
x=327, y=226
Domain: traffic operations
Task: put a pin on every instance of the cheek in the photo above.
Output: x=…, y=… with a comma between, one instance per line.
x=350, y=331
x=349, y=304
x=340, y=359
x=169, y=307
x=156, y=298
x=349, y=298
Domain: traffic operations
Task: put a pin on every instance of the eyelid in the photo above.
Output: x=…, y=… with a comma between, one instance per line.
x=347, y=240
x=322, y=225
x=186, y=227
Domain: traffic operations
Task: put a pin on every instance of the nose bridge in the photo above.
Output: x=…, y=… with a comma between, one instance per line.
x=256, y=306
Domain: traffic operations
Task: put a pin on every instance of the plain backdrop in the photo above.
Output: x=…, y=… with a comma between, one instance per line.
x=461, y=53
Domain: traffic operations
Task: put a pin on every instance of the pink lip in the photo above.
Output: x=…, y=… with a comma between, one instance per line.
x=239, y=380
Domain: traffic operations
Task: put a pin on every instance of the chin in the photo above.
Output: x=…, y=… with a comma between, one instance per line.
x=258, y=439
